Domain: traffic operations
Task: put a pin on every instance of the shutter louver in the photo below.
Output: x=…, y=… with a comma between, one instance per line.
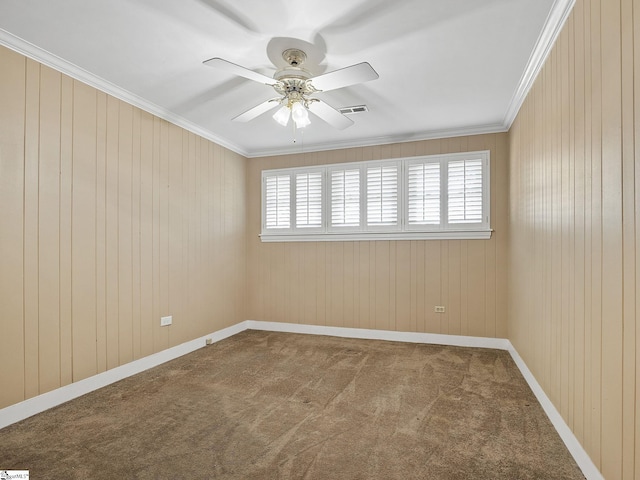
x=382, y=195
x=464, y=185
x=424, y=194
x=345, y=198
x=309, y=200
x=278, y=202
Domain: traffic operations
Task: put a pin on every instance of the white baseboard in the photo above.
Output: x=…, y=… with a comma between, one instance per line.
x=32, y=406
x=408, y=337
x=579, y=454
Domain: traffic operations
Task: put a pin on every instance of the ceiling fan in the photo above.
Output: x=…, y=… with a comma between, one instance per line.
x=295, y=87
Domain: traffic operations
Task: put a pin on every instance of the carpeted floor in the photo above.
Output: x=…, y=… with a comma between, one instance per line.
x=263, y=405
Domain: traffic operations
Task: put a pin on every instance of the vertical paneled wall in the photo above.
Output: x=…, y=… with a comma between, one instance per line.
x=574, y=218
x=388, y=285
x=109, y=219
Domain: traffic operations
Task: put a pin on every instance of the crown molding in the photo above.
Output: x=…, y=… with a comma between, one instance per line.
x=553, y=26
x=374, y=141
x=46, y=58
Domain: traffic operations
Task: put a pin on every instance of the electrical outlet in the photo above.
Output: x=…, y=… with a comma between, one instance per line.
x=438, y=309
x=165, y=321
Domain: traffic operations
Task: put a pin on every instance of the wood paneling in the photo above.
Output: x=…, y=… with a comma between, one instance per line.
x=12, y=172
x=110, y=219
x=573, y=239
x=387, y=285
x=49, y=228
x=83, y=232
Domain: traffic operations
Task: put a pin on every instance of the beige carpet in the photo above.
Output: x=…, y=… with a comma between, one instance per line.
x=264, y=405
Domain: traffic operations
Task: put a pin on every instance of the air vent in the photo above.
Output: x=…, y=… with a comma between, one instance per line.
x=354, y=109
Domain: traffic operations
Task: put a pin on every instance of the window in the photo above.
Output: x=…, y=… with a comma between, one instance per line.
x=464, y=182
x=309, y=200
x=439, y=196
x=382, y=195
x=423, y=198
x=277, y=200
x=345, y=198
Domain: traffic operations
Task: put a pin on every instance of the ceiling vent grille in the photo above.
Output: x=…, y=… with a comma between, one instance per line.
x=353, y=110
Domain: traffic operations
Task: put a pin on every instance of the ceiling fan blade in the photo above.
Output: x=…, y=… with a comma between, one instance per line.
x=358, y=73
x=240, y=71
x=330, y=115
x=257, y=110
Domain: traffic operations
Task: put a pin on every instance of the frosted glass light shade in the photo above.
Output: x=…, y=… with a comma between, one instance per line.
x=282, y=115
x=300, y=115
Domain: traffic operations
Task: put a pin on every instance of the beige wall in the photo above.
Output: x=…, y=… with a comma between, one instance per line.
x=109, y=219
x=574, y=215
x=390, y=285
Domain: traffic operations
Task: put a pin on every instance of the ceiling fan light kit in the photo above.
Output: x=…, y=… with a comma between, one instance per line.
x=282, y=115
x=296, y=85
x=300, y=115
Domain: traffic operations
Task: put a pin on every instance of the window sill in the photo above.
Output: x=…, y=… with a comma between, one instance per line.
x=372, y=236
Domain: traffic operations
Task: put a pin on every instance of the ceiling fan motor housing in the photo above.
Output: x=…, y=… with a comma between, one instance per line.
x=294, y=82
x=294, y=57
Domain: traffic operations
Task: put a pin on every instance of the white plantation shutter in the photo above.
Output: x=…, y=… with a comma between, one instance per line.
x=345, y=198
x=382, y=195
x=277, y=201
x=443, y=196
x=423, y=193
x=465, y=196
x=309, y=200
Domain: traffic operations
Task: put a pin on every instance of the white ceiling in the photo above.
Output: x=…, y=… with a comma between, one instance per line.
x=447, y=67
